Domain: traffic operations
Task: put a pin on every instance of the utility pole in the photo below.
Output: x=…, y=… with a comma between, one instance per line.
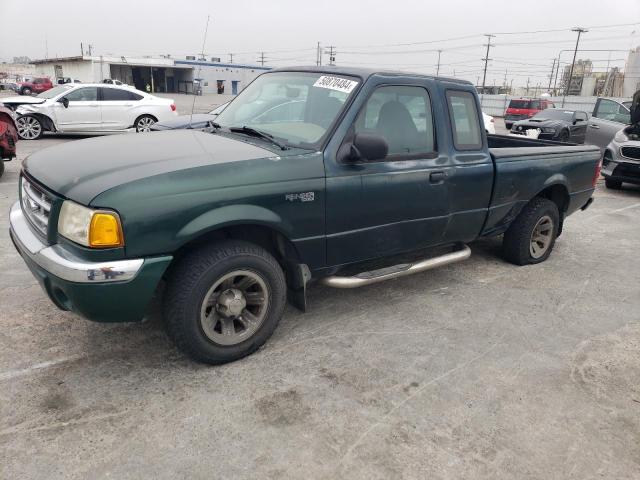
x=90, y=49
x=438, y=69
x=318, y=55
x=81, y=49
x=504, y=83
x=231, y=58
x=261, y=59
x=486, y=60
x=552, y=70
x=580, y=31
x=527, y=89
x=332, y=55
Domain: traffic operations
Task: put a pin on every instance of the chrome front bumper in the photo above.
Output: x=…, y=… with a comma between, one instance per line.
x=60, y=262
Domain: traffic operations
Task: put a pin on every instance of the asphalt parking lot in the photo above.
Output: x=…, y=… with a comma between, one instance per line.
x=478, y=370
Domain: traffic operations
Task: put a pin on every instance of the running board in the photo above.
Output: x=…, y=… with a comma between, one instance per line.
x=402, y=270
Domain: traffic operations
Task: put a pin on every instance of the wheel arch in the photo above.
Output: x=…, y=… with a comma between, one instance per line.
x=48, y=125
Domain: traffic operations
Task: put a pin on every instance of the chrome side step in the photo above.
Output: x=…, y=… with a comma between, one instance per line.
x=368, y=278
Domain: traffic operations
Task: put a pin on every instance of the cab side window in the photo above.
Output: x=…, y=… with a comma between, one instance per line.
x=116, y=94
x=402, y=116
x=85, y=94
x=465, y=120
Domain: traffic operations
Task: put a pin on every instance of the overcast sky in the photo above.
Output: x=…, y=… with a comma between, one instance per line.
x=363, y=32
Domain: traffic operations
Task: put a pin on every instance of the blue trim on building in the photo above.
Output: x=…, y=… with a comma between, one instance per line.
x=223, y=65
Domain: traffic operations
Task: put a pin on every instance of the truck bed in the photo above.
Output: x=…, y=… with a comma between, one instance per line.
x=526, y=166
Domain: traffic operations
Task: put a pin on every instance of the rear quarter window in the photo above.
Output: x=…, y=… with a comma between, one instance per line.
x=465, y=122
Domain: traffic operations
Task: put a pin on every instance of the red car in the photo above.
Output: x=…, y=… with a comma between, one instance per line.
x=524, y=108
x=34, y=85
x=8, y=137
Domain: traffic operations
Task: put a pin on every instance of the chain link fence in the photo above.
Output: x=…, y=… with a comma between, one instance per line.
x=495, y=105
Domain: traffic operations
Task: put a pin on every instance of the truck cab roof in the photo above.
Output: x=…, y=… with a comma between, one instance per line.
x=365, y=73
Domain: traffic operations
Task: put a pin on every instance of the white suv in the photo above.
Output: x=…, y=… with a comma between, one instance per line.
x=88, y=108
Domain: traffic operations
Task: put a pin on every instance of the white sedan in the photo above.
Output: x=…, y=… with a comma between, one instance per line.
x=489, y=123
x=88, y=108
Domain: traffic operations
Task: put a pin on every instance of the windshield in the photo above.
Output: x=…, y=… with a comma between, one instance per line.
x=295, y=107
x=54, y=91
x=520, y=104
x=554, y=114
x=627, y=104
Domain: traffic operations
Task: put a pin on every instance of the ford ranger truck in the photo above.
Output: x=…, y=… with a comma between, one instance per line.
x=343, y=176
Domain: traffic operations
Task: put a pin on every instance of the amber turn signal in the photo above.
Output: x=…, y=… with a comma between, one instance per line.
x=105, y=230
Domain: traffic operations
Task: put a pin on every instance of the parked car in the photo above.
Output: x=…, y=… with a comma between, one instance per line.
x=88, y=108
x=621, y=163
x=555, y=124
x=608, y=118
x=489, y=124
x=523, y=108
x=8, y=137
x=63, y=80
x=196, y=121
x=35, y=85
x=242, y=218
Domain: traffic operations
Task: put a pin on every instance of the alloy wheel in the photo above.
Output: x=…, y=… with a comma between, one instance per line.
x=29, y=128
x=235, y=307
x=541, y=237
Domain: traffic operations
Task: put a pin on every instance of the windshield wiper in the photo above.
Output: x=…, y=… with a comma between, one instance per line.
x=259, y=134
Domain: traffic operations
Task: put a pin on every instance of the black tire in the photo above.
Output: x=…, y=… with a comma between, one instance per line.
x=517, y=242
x=144, y=122
x=190, y=282
x=25, y=91
x=612, y=184
x=1, y=166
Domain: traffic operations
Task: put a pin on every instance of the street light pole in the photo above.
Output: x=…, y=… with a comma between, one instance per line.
x=580, y=31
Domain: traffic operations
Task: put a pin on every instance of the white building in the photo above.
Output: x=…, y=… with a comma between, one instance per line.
x=162, y=74
x=632, y=73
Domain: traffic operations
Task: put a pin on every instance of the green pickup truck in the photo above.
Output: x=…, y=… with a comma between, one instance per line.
x=339, y=175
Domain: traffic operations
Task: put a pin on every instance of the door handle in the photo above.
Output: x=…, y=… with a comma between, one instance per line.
x=437, y=177
x=593, y=125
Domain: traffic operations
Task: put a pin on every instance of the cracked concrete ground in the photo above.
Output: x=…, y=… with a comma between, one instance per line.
x=477, y=370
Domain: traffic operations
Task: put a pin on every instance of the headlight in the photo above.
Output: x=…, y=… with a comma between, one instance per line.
x=621, y=137
x=91, y=228
x=549, y=130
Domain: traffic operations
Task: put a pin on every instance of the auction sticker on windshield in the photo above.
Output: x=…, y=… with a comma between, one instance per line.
x=336, y=83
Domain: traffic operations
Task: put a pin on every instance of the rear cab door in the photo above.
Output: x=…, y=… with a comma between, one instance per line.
x=397, y=203
x=119, y=106
x=471, y=174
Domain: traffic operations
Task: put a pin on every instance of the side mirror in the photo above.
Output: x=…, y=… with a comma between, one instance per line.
x=635, y=108
x=368, y=147
x=65, y=102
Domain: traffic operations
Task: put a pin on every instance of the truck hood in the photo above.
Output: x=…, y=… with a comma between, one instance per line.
x=82, y=169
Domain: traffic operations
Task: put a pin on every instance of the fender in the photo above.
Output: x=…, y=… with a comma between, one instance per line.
x=233, y=215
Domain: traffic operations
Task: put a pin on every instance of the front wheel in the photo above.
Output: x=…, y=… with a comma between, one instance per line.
x=563, y=137
x=29, y=127
x=144, y=123
x=25, y=91
x=224, y=301
x=532, y=235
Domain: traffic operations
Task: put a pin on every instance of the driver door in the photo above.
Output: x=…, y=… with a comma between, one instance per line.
x=579, y=127
x=83, y=113
x=397, y=203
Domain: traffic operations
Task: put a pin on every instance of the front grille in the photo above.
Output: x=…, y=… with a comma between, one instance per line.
x=630, y=152
x=36, y=205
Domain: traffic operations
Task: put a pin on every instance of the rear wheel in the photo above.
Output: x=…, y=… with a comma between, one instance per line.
x=532, y=235
x=224, y=301
x=144, y=123
x=25, y=91
x=1, y=166
x=29, y=127
x=612, y=184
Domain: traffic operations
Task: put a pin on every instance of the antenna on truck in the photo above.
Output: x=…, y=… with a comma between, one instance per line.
x=201, y=59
